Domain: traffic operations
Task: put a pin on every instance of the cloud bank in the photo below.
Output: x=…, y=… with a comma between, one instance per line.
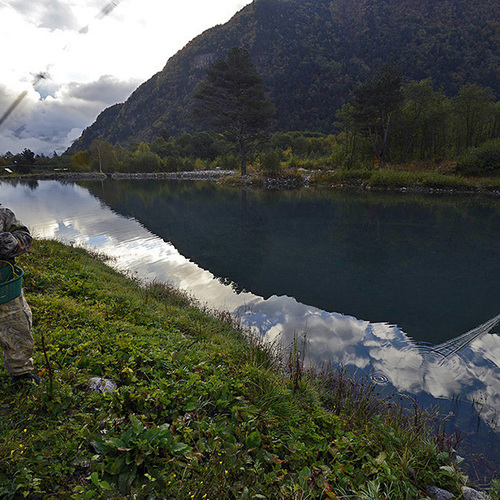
x=49, y=120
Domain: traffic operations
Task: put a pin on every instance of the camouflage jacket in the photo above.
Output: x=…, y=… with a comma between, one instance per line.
x=15, y=239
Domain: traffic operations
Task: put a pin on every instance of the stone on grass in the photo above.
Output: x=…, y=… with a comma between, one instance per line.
x=470, y=494
x=102, y=385
x=440, y=494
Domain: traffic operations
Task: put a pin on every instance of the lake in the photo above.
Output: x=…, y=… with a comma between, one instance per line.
x=383, y=284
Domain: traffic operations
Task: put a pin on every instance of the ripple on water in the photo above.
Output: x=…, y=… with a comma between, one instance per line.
x=379, y=378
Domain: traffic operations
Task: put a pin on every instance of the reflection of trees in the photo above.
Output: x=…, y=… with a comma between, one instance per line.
x=428, y=264
x=30, y=184
x=427, y=267
x=218, y=228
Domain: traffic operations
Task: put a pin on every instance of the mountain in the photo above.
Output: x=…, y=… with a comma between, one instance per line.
x=311, y=53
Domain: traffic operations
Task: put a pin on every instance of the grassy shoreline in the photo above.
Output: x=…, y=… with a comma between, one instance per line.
x=401, y=178
x=425, y=182
x=200, y=410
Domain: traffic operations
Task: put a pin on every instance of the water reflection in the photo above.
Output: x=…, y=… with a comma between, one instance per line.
x=384, y=352
x=69, y=213
x=430, y=265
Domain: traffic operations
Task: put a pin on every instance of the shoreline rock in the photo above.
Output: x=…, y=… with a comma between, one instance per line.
x=467, y=494
x=187, y=175
x=75, y=176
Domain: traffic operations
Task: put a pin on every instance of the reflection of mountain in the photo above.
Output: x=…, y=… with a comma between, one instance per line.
x=430, y=267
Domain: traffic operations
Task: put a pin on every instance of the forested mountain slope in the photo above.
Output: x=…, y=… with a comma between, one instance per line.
x=311, y=53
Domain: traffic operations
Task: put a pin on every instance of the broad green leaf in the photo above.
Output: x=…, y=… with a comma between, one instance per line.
x=94, y=477
x=179, y=447
x=305, y=473
x=105, y=485
x=253, y=440
x=118, y=443
x=117, y=466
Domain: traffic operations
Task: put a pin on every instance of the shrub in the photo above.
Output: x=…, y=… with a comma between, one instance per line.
x=391, y=179
x=270, y=162
x=199, y=164
x=482, y=160
x=144, y=161
x=171, y=164
x=227, y=162
x=337, y=158
x=440, y=181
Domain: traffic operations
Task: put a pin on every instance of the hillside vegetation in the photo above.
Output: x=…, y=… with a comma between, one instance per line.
x=200, y=410
x=311, y=54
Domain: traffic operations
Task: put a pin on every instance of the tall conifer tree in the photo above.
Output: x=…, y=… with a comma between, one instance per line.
x=231, y=100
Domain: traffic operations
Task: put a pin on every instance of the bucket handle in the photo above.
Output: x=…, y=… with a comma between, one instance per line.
x=12, y=266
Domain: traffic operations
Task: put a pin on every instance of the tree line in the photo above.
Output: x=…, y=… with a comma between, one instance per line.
x=386, y=121
x=403, y=122
x=25, y=161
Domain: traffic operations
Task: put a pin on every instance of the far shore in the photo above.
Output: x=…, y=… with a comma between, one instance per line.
x=191, y=175
x=231, y=178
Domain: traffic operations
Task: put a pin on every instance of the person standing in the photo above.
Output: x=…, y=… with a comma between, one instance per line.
x=15, y=316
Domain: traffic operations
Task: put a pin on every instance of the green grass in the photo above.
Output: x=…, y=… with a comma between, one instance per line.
x=398, y=179
x=201, y=411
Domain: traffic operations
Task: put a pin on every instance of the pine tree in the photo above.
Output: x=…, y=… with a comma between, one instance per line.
x=231, y=100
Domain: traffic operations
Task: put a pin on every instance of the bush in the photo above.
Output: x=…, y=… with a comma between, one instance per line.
x=270, y=162
x=337, y=158
x=199, y=164
x=185, y=164
x=482, y=160
x=171, y=164
x=227, y=162
x=440, y=181
x=143, y=160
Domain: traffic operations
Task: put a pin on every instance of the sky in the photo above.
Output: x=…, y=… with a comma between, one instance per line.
x=65, y=61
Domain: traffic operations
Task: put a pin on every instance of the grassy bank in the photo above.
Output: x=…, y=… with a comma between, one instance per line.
x=391, y=178
x=394, y=178
x=200, y=410
x=418, y=177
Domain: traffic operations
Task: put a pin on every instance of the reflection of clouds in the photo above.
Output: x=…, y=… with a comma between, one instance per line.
x=68, y=212
x=488, y=347
x=406, y=367
x=66, y=231
x=443, y=380
x=384, y=332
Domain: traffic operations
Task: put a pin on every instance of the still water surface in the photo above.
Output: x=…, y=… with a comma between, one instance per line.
x=366, y=279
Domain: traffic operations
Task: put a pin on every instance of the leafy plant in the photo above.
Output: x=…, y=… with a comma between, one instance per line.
x=132, y=456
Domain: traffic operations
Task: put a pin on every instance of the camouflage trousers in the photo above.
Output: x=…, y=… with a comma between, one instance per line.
x=15, y=336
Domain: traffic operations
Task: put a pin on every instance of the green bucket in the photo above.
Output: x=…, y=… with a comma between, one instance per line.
x=11, y=282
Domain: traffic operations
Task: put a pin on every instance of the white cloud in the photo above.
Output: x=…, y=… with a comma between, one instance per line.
x=86, y=72
x=106, y=90
x=45, y=123
x=53, y=15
